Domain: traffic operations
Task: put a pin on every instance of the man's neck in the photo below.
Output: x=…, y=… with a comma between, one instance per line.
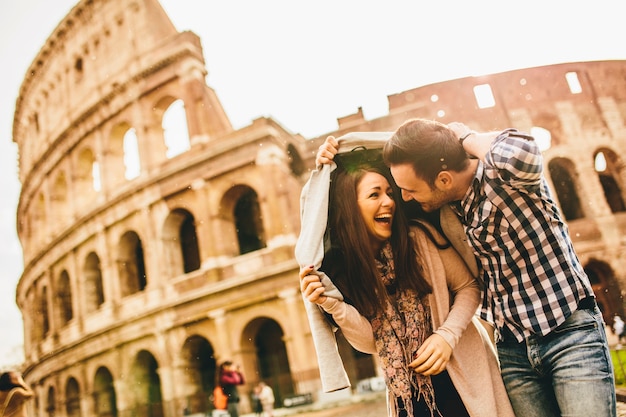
x=464, y=179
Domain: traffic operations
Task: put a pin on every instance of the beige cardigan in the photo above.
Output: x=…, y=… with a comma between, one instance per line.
x=473, y=367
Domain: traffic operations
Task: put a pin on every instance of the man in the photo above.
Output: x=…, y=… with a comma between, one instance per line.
x=550, y=336
x=230, y=377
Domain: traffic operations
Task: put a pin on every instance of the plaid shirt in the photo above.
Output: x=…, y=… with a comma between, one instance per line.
x=533, y=277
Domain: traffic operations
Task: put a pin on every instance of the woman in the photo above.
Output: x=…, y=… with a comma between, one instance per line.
x=399, y=285
x=13, y=395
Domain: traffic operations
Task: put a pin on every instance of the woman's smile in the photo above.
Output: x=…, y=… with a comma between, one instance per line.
x=377, y=207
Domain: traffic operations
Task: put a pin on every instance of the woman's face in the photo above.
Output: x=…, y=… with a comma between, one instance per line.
x=377, y=207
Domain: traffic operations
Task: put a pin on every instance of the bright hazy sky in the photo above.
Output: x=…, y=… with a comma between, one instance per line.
x=306, y=63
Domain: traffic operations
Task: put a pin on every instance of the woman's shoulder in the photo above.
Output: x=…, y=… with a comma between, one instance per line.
x=422, y=231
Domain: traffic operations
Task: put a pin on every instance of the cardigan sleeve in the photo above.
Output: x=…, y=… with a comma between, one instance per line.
x=356, y=329
x=455, y=291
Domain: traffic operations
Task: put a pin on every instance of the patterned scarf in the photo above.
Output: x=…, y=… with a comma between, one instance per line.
x=399, y=331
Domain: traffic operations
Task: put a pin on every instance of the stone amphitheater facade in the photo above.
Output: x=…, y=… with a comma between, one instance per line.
x=153, y=252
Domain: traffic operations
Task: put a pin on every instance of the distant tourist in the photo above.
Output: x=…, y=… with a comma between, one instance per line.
x=265, y=395
x=13, y=395
x=229, y=377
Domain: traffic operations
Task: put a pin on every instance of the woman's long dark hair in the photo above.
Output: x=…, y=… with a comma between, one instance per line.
x=350, y=261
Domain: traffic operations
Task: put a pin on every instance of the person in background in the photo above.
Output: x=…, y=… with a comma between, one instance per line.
x=229, y=378
x=14, y=393
x=266, y=398
x=407, y=297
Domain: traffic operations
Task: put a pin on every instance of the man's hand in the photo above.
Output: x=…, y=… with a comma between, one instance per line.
x=459, y=129
x=327, y=151
x=432, y=357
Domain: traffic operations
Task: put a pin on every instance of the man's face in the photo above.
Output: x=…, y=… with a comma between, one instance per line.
x=415, y=188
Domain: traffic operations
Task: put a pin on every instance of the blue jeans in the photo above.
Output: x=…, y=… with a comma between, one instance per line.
x=566, y=373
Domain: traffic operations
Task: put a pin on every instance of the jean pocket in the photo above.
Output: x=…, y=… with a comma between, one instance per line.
x=579, y=320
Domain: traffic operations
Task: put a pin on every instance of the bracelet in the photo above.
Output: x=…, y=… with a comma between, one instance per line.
x=465, y=136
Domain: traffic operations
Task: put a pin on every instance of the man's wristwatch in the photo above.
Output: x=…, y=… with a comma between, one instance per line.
x=465, y=136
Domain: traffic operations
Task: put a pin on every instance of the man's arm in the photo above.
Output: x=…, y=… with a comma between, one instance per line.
x=475, y=143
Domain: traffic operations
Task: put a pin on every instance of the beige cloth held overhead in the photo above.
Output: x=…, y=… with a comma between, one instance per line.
x=310, y=251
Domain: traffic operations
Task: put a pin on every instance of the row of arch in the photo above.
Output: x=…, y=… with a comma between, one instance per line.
x=181, y=247
x=73, y=190
x=55, y=71
x=566, y=183
x=192, y=376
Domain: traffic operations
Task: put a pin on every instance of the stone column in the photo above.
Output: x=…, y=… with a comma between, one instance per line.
x=222, y=339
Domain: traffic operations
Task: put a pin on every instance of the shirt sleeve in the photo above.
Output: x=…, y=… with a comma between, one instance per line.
x=232, y=378
x=516, y=158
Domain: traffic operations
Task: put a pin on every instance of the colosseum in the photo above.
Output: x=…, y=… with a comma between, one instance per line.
x=158, y=240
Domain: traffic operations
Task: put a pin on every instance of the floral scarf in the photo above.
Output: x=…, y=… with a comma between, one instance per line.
x=399, y=331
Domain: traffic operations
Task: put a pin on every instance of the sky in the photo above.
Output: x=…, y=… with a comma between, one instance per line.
x=305, y=63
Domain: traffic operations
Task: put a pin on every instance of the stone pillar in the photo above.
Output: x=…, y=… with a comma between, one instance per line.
x=223, y=348
x=167, y=388
x=86, y=400
x=107, y=252
x=77, y=290
x=152, y=148
x=206, y=239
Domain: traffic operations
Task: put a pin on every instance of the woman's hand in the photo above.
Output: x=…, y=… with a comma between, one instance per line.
x=327, y=151
x=311, y=285
x=433, y=356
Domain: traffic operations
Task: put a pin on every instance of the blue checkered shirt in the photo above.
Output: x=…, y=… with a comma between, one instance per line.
x=533, y=277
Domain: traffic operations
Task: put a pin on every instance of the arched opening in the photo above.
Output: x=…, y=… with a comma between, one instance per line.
x=145, y=385
x=131, y=155
x=59, y=200
x=43, y=308
x=542, y=136
x=64, y=298
x=105, y=402
x=51, y=402
x=271, y=358
x=606, y=289
x=199, y=367
x=72, y=398
x=175, y=130
x=94, y=292
x=248, y=222
x=561, y=172
x=131, y=264
x=295, y=161
x=181, y=242
x=85, y=181
x=608, y=168
x=39, y=216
